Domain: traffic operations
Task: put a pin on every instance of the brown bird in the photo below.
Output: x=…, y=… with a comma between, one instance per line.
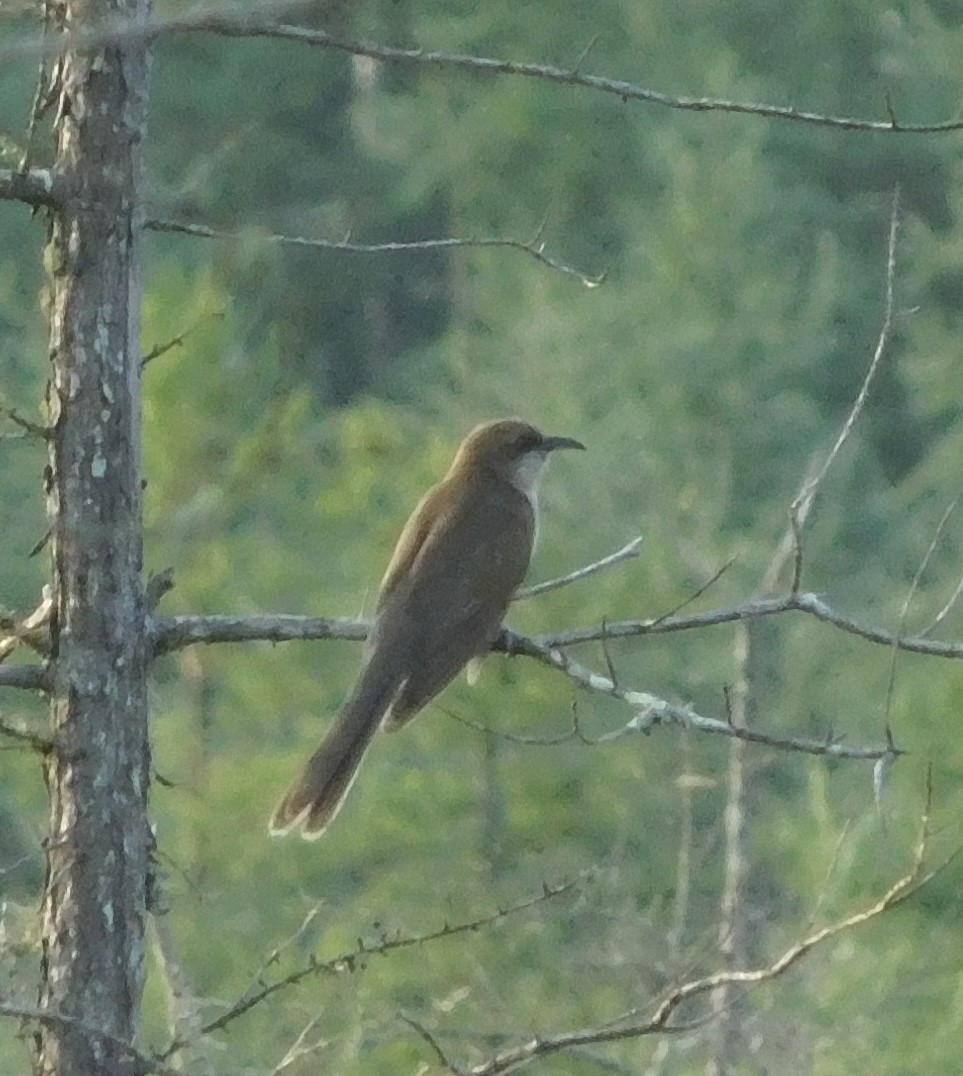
x=459, y=559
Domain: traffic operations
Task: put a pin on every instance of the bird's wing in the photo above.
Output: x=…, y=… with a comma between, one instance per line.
x=412, y=539
x=449, y=605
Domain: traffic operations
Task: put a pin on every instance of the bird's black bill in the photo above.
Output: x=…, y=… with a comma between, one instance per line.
x=550, y=444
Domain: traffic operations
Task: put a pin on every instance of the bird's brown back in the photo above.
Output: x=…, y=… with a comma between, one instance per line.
x=463, y=554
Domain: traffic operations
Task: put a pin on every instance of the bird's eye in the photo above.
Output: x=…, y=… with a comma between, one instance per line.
x=527, y=441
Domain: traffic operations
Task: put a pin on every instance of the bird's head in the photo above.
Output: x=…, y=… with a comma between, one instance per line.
x=511, y=449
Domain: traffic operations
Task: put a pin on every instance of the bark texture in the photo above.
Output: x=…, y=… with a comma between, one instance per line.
x=96, y=892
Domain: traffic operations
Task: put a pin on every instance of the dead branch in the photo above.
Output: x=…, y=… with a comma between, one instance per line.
x=301, y=1048
x=175, y=633
x=534, y=248
x=657, y=1020
x=810, y=604
x=28, y=677
x=176, y=341
x=33, y=630
x=26, y=737
x=627, y=552
x=650, y=710
x=27, y=428
x=260, y=20
x=355, y=960
x=238, y=26
x=35, y=187
x=802, y=502
x=139, y=1063
x=183, y=1007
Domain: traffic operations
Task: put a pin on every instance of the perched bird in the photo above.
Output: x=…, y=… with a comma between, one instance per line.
x=459, y=559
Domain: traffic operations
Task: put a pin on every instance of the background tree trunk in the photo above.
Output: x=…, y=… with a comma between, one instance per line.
x=98, y=853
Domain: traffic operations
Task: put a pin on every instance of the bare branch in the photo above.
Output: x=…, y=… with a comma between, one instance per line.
x=175, y=341
x=158, y=584
x=28, y=677
x=627, y=552
x=139, y=1063
x=425, y=1034
x=235, y=26
x=696, y=594
x=183, y=1009
x=628, y=1025
x=35, y=186
x=535, y=248
x=33, y=630
x=25, y=736
x=572, y=733
x=174, y=633
x=300, y=1048
x=34, y=429
x=259, y=20
x=911, y=593
x=803, y=499
x=650, y=710
x=810, y=604
x=946, y=610
x=355, y=959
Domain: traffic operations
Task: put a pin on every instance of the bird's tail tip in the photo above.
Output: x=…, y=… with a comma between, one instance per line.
x=311, y=812
x=289, y=816
x=315, y=798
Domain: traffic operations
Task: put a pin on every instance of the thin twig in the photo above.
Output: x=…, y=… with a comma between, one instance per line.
x=33, y=429
x=574, y=733
x=534, y=249
x=183, y=1008
x=830, y=871
x=356, y=958
x=945, y=611
x=650, y=710
x=791, y=544
x=176, y=341
x=627, y=552
x=911, y=593
x=810, y=488
x=18, y=863
x=657, y=1021
x=25, y=736
x=609, y=663
x=32, y=630
x=426, y=1035
x=137, y=1062
x=300, y=1049
x=259, y=20
x=696, y=594
x=810, y=604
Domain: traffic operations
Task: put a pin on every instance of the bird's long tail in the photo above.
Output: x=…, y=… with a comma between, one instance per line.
x=316, y=796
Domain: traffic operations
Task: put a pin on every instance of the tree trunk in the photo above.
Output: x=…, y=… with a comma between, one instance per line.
x=98, y=853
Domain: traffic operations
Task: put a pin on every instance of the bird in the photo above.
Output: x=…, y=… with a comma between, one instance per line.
x=459, y=559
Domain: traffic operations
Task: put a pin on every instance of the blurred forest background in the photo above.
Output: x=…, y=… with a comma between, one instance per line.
x=317, y=394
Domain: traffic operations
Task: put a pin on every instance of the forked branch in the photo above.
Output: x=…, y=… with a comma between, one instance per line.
x=658, y=1019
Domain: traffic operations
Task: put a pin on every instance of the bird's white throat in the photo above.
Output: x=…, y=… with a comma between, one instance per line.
x=528, y=471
